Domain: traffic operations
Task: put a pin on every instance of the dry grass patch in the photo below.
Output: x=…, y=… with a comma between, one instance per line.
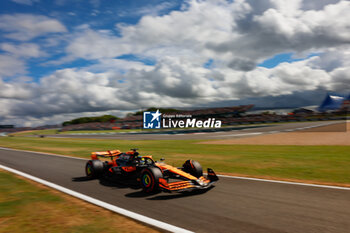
x=37, y=208
x=60, y=149
x=328, y=135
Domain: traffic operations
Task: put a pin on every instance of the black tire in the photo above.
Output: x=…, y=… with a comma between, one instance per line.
x=94, y=168
x=193, y=167
x=149, y=179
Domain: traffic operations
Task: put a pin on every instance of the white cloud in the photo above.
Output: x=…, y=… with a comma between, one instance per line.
x=13, y=61
x=15, y=90
x=25, y=2
x=90, y=44
x=179, y=33
x=332, y=58
x=278, y=29
x=235, y=35
x=11, y=66
x=25, y=27
x=22, y=50
x=169, y=83
x=317, y=4
x=153, y=10
x=117, y=66
x=229, y=33
x=341, y=79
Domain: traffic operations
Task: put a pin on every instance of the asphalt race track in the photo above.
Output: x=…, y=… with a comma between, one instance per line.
x=234, y=205
x=241, y=131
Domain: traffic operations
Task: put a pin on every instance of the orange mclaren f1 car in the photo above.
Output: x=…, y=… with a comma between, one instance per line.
x=152, y=175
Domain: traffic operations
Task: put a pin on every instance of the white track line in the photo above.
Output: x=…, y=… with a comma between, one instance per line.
x=314, y=126
x=286, y=182
x=225, y=176
x=42, y=153
x=273, y=132
x=237, y=135
x=116, y=209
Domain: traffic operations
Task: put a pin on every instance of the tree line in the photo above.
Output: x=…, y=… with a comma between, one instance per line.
x=81, y=120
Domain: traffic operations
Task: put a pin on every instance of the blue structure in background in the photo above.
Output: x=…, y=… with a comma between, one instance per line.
x=332, y=102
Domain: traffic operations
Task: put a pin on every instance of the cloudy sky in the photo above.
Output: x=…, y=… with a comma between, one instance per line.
x=63, y=59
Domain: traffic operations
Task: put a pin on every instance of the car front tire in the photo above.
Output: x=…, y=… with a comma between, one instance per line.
x=149, y=179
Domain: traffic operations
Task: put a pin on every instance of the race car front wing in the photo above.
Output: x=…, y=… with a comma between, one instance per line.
x=189, y=185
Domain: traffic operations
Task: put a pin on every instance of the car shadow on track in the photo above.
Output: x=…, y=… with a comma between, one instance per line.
x=140, y=194
x=109, y=183
x=81, y=179
x=166, y=196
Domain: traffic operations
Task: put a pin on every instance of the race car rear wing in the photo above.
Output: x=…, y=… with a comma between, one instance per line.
x=105, y=154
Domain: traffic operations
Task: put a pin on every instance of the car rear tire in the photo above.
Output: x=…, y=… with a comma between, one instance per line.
x=193, y=167
x=149, y=179
x=94, y=168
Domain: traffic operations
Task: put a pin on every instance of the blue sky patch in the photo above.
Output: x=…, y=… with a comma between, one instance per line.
x=97, y=14
x=40, y=70
x=283, y=57
x=209, y=64
x=133, y=57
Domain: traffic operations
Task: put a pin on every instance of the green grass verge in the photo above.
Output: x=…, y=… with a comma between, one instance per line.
x=101, y=131
x=55, y=131
x=328, y=164
x=25, y=207
x=35, y=132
